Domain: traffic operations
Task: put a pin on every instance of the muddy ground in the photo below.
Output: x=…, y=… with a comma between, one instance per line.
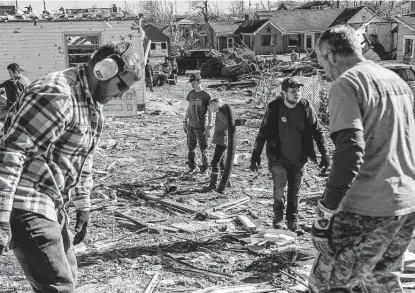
x=136, y=157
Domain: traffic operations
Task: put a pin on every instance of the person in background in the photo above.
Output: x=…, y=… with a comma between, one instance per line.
x=15, y=85
x=46, y=153
x=289, y=126
x=149, y=75
x=365, y=219
x=294, y=56
x=224, y=125
x=194, y=123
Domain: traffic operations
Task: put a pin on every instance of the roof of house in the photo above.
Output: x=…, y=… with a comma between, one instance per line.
x=346, y=15
x=154, y=34
x=308, y=5
x=407, y=20
x=304, y=20
x=224, y=28
x=251, y=25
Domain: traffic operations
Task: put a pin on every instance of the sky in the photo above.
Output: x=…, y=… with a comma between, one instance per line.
x=182, y=5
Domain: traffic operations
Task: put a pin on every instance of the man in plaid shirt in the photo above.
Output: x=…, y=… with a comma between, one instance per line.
x=46, y=152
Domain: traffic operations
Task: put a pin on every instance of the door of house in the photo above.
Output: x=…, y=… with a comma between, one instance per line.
x=309, y=42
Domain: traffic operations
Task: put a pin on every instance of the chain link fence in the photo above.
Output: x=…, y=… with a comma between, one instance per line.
x=315, y=90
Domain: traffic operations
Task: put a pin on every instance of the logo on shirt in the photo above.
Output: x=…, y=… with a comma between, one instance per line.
x=283, y=119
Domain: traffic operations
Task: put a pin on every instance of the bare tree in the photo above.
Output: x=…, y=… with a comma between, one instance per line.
x=156, y=12
x=236, y=8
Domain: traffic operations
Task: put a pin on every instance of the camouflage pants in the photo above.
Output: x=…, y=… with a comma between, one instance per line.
x=369, y=253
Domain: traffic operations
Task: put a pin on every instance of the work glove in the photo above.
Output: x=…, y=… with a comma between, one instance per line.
x=324, y=164
x=5, y=236
x=321, y=230
x=255, y=163
x=82, y=219
x=185, y=126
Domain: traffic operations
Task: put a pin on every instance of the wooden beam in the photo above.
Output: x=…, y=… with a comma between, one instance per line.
x=139, y=224
x=153, y=283
x=172, y=203
x=230, y=203
x=248, y=224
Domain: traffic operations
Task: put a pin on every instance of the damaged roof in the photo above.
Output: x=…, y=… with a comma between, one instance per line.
x=346, y=15
x=406, y=20
x=224, y=28
x=303, y=20
x=251, y=25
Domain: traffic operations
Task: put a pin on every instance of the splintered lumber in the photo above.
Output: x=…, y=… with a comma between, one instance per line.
x=231, y=203
x=247, y=222
x=138, y=223
x=171, y=203
x=153, y=283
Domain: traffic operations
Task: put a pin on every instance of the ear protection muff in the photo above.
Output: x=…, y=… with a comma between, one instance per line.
x=110, y=67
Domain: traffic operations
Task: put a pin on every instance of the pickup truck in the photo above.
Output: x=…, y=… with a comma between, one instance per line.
x=193, y=59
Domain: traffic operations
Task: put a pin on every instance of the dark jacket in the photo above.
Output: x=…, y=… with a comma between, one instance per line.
x=269, y=132
x=148, y=70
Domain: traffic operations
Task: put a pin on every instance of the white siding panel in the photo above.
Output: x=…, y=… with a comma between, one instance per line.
x=41, y=49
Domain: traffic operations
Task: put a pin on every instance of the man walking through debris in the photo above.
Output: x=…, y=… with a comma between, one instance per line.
x=149, y=75
x=15, y=85
x=46, y=161
x=224, y=125
x=289, y=126
x=194, y=123
x=365, y=219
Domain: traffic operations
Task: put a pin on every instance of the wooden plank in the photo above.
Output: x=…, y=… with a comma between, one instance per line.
x=247, y=222
x=172, y=203
x=153, y=283
x=230, y=203
x=138, y=223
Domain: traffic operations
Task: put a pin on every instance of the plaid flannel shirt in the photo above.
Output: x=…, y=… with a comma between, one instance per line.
x=50, y=134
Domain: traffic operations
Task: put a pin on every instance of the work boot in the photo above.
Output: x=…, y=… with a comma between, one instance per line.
x=278, y=214
x=292, y=225
x=213, y=182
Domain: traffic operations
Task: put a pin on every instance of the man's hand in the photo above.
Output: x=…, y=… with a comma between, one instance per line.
x=255, y=163
x=185, y=126
x=82, y=219
x=4, y=236
x=324, y=164
x=321, y=231
x=207, y=131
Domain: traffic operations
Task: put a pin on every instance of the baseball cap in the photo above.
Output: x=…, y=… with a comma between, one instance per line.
x=195, y=76
x=290, y=82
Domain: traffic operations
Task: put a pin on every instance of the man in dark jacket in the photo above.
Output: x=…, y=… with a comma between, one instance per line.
x=289, y=126
x=149, y=75
x=15, y=85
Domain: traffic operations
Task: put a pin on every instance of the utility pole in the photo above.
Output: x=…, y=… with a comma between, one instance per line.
x=17, y=6
x=249, y=7
x=44, y=5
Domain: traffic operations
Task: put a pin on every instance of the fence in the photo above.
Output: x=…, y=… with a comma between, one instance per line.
x=315, y=91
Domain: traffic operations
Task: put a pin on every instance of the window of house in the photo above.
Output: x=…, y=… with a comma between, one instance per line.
x=293, y=40
x=80, y=48
x=274, y=40
x=163, y=46
x=408, y=49
x=153, y=46
x=230, y=43
x=265, y=40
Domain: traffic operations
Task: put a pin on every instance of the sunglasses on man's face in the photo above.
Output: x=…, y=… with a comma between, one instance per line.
x=122, y=86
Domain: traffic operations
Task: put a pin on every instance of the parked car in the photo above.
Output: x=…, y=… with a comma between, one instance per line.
x=405, y=70
x=194, y=59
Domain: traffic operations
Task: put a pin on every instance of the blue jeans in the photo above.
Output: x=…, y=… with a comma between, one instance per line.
x=195, y=136
x=283, y=174
x=44, y=251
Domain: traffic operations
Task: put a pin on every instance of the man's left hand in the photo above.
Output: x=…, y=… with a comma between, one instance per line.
x=82, y=219
x=321, y=231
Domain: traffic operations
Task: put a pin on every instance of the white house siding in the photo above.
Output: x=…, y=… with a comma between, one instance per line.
x=41, y=49
x=403, y=31
x=363, y=16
